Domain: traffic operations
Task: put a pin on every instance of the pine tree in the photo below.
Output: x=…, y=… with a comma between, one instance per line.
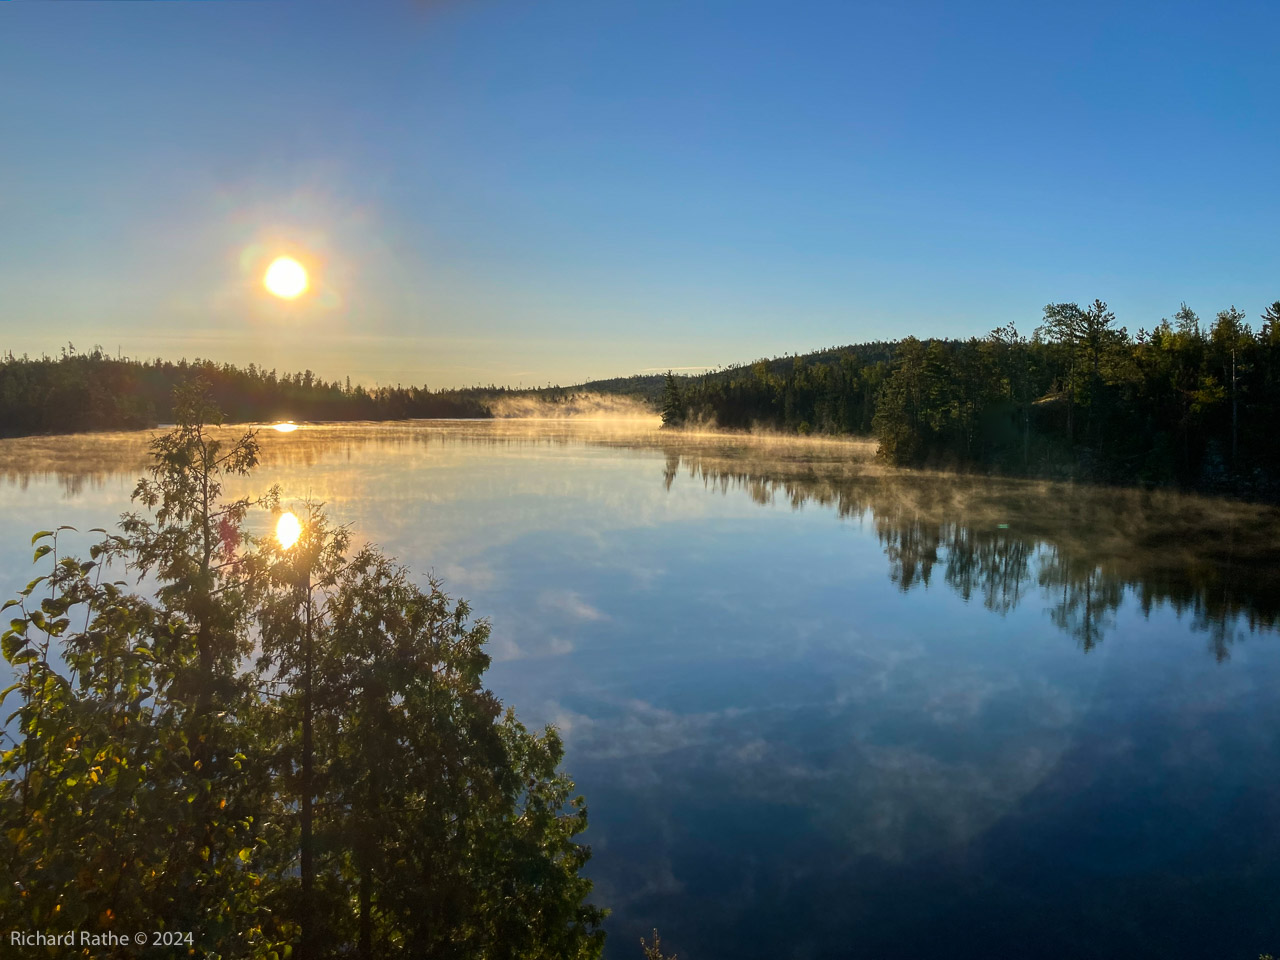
x=674, y=409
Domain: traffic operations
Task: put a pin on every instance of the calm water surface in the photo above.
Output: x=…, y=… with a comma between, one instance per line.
x=822, y=710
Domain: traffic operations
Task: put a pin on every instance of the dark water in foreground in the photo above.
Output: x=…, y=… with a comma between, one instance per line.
x=820, y=710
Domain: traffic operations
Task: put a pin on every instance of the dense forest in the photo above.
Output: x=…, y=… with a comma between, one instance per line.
x=92, y=391
x=1186, y=403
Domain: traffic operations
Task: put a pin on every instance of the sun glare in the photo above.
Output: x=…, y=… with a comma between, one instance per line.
x=288, y=530
x=284, y=427
x=286, y=278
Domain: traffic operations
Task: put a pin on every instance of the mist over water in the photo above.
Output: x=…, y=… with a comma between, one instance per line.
x=819, y=707
x=580, y=406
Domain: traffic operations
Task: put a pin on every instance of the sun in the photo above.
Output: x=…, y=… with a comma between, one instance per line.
x=288, y=530
x=286, y=278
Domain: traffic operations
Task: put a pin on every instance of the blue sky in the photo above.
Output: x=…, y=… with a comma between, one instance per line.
x=544, y=192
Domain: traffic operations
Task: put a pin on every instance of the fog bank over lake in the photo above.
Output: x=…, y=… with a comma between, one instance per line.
x=820, y=707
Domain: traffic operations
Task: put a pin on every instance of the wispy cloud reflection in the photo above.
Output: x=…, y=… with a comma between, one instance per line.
x=464, y=578
x=570, y=604
x=737, y=820
x=888, y=782
x=503, y=647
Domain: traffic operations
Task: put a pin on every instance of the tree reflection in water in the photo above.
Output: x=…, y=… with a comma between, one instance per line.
x=995, y=540
x=1078, y=549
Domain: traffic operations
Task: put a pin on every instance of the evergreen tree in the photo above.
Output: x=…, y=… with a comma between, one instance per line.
x=674, y=409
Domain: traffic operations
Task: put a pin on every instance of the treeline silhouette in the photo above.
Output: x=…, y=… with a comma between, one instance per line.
x=1186, y=403
x=651, y=387
x=77, y=392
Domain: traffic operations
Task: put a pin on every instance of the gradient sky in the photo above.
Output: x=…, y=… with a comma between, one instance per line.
x=545, y=192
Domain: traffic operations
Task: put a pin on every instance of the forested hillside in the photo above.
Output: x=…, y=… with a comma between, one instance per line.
x=92, y=391
x=1188, y=402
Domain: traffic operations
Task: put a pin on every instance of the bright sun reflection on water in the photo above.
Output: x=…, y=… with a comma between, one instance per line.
x=288, y=530
x=284, y=427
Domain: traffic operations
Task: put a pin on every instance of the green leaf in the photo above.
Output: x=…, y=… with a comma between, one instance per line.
x=40, y=535
x=10, y=603
x=244, y=854
x=26, y=591
x=41, y=551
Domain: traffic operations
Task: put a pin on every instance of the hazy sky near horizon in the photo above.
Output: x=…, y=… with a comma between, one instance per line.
x=506, y=191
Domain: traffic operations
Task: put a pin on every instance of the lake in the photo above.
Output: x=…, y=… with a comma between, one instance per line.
x=824, y=709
